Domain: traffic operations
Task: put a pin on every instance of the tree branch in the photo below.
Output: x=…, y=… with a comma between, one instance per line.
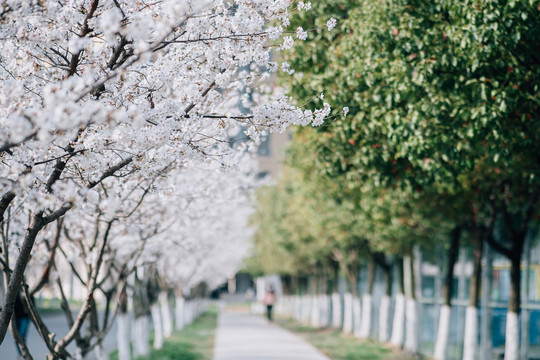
x=85, y=309
x=45, y=276
x=14, y=286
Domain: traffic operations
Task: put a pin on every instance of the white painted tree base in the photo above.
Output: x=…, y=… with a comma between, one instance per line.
x=384, y=317
x=411, y=325
x=158, y=326
x=325, y=310
x=179, y=313
x=398, y=323
x=336, y=310
x=315, y=312
x=441, y=344
x=298, y=308
x=357, y=317
x=511, y=346
x=141, y=343
x=347, y=314
x=123, y=336
x=166, y=314
x=470, y=342
x=365, y=328
x=306, y=307
x=188, y=312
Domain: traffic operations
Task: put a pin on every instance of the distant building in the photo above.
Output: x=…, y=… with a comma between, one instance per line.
x=272, y=154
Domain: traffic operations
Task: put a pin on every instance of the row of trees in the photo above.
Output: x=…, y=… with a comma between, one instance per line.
x=440, y=147
x=116, y=118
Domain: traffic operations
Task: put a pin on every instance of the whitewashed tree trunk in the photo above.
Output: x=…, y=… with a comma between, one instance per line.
x=295, y=307
x=384, y=316
x=306, y=302
x=336, y=310
x=188, y=312
x=142, y=337
x=322, y=310
x=441, y=344
x=281, y=306
x=123, y=336
x=357, y=317
x=511, y=346
x=411, y=324
x=398, y=324
x=471, y=333
x=290, y=306
x=347, y=314
x=325, y=310
x=365, y=328
x=101, y=353
x=179, y=312
x=158, y=326
x=315, y=311
x=166, y=314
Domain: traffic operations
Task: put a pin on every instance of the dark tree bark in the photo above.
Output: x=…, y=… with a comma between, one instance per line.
x=370, y=275
x=452, y=255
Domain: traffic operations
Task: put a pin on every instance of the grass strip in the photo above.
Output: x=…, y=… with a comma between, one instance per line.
x=337, y=346
x=194, y=342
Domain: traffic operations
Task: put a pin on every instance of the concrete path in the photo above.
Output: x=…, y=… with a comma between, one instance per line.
x=250, y=337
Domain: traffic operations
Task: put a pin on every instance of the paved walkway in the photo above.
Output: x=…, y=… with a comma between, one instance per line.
x=250, y=337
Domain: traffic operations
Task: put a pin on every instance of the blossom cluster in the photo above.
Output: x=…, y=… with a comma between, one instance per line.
x=116, y=111
x=119, y=126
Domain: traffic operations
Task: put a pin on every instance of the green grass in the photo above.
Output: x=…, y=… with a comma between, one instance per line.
x=341, y=347
x=194, y=342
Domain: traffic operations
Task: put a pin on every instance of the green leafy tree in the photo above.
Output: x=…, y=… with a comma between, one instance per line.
x=443, y=98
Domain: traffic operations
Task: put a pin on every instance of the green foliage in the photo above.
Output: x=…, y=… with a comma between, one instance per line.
x=436, y=90
x=442, y=129
x=295, y=225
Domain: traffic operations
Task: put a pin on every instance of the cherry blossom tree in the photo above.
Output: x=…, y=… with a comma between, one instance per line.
x=97, y=90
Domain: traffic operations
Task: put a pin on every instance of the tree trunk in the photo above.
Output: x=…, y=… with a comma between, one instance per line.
x=16, y=277
x=365, y=328
x=325, y=301
x=350, y=295
x=306, y=313
x=411, y=324
x=190, y=305
x=348, y=313
x=142, y=336
x=470, y=342
x=166, y=313
x=315, y=307
x=336, y=300
x=441, y=344
x=398, y=323
x=158, y=326
x=511, y=348
x=357, y=316
x=517, y=237
x=384, y=309
x=123, y=335
x=179, y=312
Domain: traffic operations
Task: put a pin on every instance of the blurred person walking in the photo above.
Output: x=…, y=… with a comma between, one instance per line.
x=269, y=300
